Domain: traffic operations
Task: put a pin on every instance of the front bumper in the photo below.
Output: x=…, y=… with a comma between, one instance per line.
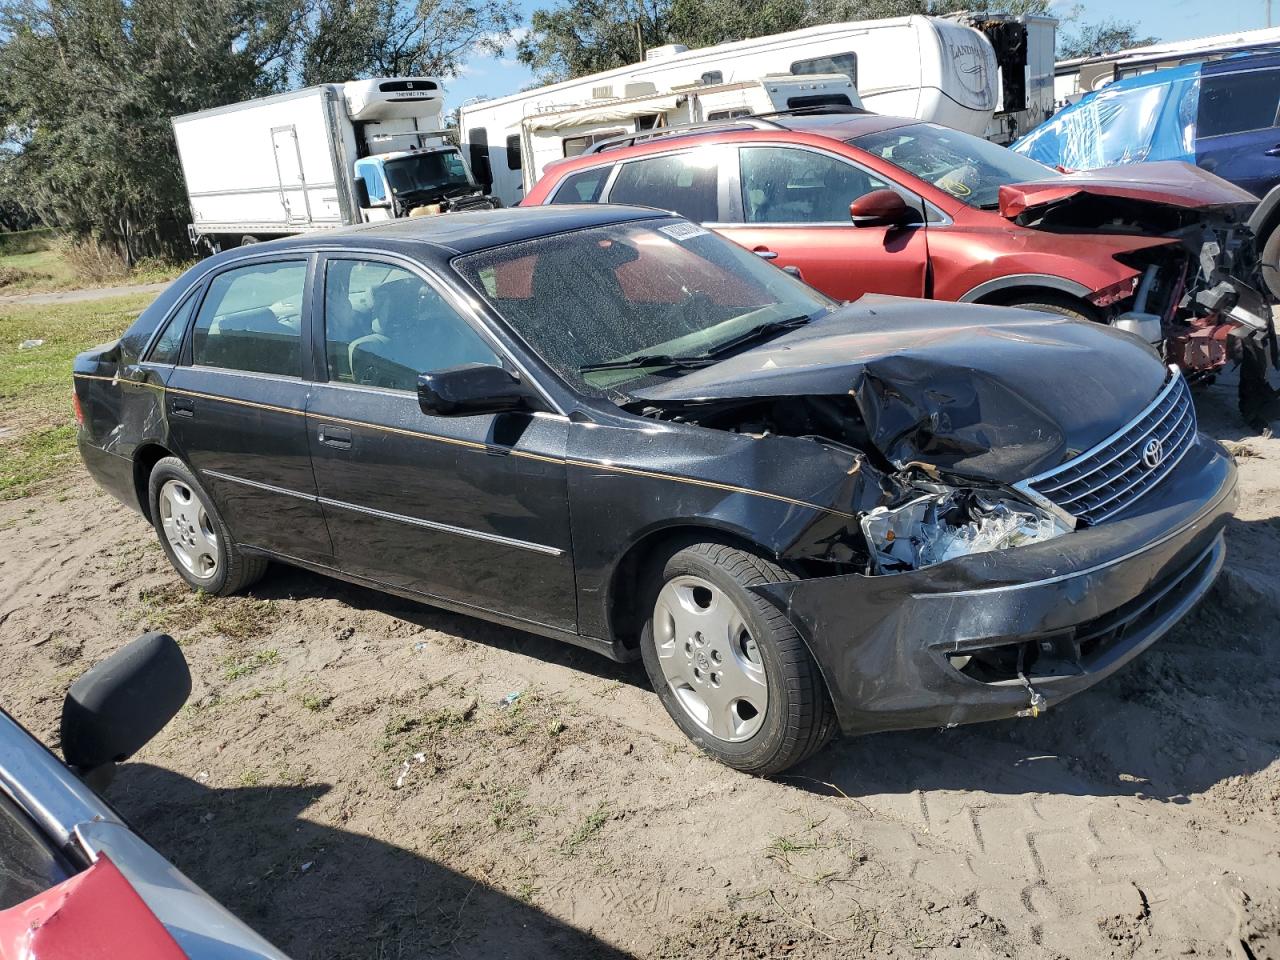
x=1104, y=593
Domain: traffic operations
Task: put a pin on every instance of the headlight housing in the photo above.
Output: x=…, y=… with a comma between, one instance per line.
x=936, y=527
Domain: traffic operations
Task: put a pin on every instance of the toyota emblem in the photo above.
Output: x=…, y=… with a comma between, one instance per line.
x=1152, y=453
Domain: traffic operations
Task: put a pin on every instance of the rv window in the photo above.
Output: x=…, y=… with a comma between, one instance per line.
x=682, y=182
x=785, y=185
x=818, y=100
x=729, y=114
x=478, y=148
x=582, y=187
x=513, y=152
x=846, y=63
x=577, y=146
x=712, y=76
x=1236, y=102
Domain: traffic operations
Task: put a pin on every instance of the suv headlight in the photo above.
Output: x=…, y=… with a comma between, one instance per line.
x=937, y=527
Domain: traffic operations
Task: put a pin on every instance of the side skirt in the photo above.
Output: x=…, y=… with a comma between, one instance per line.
x=607, y=648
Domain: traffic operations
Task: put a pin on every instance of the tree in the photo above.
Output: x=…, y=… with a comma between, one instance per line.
x=1096, y=39
x=397, y=38
x=578, y=37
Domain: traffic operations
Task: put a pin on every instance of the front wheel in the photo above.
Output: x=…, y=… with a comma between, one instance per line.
x=1271, y=262
x=728, y=666
x=1062, y=306
x=196, y=541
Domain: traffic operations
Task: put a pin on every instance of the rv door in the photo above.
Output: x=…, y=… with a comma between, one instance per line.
x=293, y=185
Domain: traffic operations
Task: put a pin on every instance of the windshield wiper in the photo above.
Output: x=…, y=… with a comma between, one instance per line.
x=647, y=360
x=761, y=332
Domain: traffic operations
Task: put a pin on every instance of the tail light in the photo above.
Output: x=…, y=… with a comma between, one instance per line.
x=75, y=405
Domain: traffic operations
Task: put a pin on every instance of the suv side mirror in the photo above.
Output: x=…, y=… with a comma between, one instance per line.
x=112, y=711
x=881, y=208
x=474, y=388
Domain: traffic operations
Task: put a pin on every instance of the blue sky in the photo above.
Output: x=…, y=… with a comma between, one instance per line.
x=1165, y=19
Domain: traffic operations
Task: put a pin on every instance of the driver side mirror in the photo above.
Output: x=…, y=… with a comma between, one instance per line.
x=474, y=388
x=112, y=711
x=882, y=208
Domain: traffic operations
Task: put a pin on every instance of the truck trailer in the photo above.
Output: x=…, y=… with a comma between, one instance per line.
x=319, y=158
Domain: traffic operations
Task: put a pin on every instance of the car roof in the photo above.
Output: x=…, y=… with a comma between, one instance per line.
x=842, y=126
x=471, y=230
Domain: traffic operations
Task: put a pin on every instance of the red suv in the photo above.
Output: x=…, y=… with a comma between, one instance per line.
x=862, y=203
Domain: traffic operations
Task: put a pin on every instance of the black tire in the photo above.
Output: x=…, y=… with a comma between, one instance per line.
x=1270, y=261
x=1063, y=306
x=248, y=240
x=799, y=717
x=234, y=571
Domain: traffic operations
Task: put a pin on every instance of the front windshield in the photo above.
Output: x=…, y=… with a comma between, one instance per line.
x=968, y=168
x=440, y=173
x=647, y=299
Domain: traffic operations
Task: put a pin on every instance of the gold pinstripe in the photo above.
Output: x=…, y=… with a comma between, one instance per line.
x=473, y=445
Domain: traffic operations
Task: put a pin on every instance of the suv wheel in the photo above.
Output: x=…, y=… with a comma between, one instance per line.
x=1059, y=305
x=728, y=666
x=196, y=541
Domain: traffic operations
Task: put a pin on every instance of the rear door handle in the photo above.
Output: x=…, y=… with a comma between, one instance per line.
x=764, y=253
x=182, y=407
x=1274, y=151
x=332, y=436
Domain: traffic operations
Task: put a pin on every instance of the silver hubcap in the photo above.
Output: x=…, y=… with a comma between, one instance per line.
x=188, y=529
x=709, y=659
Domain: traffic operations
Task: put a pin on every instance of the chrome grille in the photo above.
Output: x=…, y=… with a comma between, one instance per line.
x=1105, y=480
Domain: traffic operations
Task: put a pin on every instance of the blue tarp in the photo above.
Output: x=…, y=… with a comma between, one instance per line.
x=1149, y=117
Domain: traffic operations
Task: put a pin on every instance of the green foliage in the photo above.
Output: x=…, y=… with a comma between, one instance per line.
x=26, y=241
x=1096, y=39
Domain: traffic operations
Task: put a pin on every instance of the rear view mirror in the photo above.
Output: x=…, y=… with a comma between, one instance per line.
x=112, y=711
x=362, y=194
x=881, y=208
x=474, y=388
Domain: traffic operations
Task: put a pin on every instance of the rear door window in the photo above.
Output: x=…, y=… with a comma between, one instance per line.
x=685, y=183
x=251, y=320
x=1237, y=102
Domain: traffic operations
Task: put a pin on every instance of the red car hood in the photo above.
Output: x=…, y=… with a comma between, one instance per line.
x=1169, y=183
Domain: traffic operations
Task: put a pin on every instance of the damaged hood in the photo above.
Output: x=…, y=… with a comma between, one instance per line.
x=990, y=393
x=1169, y=183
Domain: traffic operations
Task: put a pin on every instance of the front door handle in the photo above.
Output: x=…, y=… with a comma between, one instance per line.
x=764, y=253
x=332, y=436
x=182, y=407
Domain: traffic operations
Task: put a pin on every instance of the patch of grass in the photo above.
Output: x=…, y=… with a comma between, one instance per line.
x=250, y=777
x=587, y=829
x=316, y=702
x=35, y=270
x=242, y=619
x=236, y=667
x=411, y=733
x=36, y=386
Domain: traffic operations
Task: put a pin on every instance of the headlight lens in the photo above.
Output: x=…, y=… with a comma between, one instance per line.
x=937, y=527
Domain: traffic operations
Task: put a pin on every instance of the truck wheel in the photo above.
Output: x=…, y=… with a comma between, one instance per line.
x=1270, y=260
x=193, y=536
x=1061, y=306
x=728, y=666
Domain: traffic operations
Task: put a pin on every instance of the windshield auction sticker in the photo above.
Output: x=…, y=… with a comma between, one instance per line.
x=683, y=231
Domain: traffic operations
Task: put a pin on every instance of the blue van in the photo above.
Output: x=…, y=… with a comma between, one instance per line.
x=1220, y=115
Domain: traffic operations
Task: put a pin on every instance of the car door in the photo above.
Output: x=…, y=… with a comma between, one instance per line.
x=791, y=205
x=472, y=509
x=236, y=406
x=1237, y=136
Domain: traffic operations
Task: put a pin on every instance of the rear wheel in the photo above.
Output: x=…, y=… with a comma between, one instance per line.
x=1271, y=262
x=728, y=666
x=1063, y=306
x=196, y=541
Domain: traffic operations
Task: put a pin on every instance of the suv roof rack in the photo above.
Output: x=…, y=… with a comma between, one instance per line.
x=750, y=121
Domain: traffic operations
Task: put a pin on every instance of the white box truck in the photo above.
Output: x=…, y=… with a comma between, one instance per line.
x=320, y=158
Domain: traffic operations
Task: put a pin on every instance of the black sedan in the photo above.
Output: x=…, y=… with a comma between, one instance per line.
x=609, y=426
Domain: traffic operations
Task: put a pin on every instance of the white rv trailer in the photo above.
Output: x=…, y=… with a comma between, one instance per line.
x=938, y=69
x=319, y=158
x=1073, y=78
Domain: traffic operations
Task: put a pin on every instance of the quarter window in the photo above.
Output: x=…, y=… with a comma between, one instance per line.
x=384, y=325
x=846, y=63
x=785, y=185
x=168, y=346
x=251, y=320
x=582, y=187
x=681, y=182
x=1237, y=102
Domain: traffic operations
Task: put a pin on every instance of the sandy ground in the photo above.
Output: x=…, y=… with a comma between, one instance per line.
x=347, y=778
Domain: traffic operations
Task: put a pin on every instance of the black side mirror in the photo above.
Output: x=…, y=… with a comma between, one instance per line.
x=362, y=194
x=881, y=208
x=474, y=388
x=112, y=711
